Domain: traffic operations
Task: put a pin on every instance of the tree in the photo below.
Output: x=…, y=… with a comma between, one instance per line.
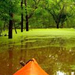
x=27, y=29
x=12, y=7
x=57, y=9
x=22, y=16
x=10, y=25
x=11, y=12
x=30, y=7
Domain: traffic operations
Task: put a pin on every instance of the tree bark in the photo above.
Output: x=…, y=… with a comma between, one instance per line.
x=22, y=16
x=10, y=25
x=27, y=22
x=57, y=25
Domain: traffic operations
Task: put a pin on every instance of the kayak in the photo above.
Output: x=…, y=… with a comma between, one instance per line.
x=31, y=68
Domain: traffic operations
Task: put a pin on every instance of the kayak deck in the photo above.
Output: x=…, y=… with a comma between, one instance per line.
x=31, y=68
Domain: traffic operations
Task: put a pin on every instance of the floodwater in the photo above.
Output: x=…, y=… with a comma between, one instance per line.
x=50, y=58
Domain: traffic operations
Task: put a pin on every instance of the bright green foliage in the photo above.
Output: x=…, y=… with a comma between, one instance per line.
x=52, y=12
x=60, y=10
x=41, y=13
x=6, y=7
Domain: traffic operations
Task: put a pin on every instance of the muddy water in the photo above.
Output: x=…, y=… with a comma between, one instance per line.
x=50, y=58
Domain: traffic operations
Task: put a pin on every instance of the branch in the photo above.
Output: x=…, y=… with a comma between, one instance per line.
x=60, y=14
x=36, y=2
x=53, y=14
x=32, y=13
x=35, y=8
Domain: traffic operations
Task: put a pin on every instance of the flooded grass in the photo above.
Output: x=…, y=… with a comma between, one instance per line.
x=54, y=50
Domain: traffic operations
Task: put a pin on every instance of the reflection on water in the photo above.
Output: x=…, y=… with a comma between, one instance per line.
x=10, y=64
x=60, y=73
x=54, y=60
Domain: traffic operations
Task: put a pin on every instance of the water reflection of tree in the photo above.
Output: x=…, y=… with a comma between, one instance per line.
x=10, y=53
x=21, y=57
x=23, y=50
x=26, y=56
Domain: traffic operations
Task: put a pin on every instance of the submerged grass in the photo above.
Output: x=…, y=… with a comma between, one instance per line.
x=41, y=37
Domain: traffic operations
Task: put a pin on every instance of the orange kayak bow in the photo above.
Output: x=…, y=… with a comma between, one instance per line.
x=31, y=68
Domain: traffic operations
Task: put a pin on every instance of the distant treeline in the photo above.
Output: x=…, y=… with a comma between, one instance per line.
x=25, y=14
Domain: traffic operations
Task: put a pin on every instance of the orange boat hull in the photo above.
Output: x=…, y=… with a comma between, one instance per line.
x=31, y=68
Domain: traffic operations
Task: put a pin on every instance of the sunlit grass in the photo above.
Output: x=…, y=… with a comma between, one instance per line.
x=44, y=35
x=51, y=32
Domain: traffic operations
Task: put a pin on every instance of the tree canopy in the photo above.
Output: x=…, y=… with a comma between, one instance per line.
x=38, y=13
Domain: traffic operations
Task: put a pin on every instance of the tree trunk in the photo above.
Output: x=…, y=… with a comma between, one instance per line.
x=57, y=25
x=22, y=16
x=10, y=25
x=27, y=22
x=15, y=26
x=27, y=27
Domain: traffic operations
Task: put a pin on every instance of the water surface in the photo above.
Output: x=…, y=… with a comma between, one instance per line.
x=50, y=57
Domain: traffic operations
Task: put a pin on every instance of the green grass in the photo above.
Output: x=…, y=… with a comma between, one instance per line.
x=53, y=32
x=67, y=35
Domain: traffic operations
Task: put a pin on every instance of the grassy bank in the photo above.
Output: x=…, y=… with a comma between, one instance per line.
x=54, y=36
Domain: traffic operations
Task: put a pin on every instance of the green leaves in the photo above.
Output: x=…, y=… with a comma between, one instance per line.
x=38, y=11
x=7, y=6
